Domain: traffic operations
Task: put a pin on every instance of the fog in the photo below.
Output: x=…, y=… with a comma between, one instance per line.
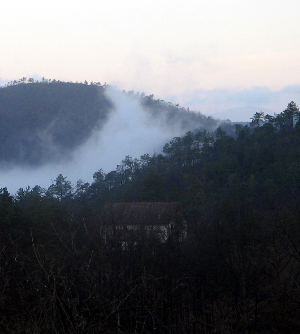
x=238, y=105
x=129, y=130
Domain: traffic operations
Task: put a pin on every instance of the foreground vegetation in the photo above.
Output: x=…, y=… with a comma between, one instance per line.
x=237, y=271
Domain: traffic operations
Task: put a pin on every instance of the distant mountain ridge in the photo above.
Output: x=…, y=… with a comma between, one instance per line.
x=241, y=114
x=45, y=121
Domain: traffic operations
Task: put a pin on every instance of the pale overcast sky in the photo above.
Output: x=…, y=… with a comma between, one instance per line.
x=210, y=55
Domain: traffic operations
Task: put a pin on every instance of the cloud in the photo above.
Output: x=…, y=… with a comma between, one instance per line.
x=129, y=130
x=3, y=82
x=186, y=56
x=221, y=100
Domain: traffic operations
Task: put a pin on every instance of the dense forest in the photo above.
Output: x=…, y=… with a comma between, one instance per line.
x=237, y=270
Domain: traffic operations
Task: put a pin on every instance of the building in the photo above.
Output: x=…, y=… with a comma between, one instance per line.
x=129, y=222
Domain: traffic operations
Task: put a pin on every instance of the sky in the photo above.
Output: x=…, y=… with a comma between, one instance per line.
x=223, y=58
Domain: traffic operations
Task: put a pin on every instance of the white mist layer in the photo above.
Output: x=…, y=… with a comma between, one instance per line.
x=128, y=131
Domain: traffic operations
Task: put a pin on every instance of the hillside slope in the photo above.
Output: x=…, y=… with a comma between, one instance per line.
x=46, y=121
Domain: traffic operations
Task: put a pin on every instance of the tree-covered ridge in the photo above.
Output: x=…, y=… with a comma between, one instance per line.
x=42, y=121
x=285, y=121
x=184, y=117
x=215, y=157
x=237, y=271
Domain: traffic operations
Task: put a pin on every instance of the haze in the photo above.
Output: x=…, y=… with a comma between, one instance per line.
x=183, y=51
x=228, y=59
x=130, y=130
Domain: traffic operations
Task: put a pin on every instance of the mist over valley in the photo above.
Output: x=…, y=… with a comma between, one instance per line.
x=113, y=239
x=165, y=198
x=74, y=129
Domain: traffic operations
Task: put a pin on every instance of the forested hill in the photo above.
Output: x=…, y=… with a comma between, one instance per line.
x=45, y=121
x=69, y=266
